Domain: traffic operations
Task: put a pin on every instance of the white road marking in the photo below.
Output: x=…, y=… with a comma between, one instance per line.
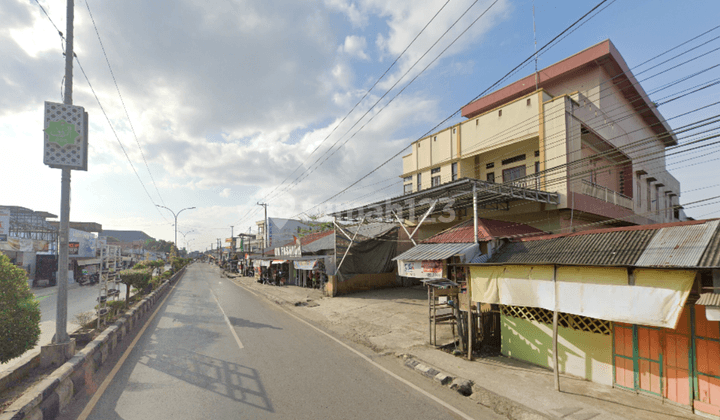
x=367, y=359
x=227, y=321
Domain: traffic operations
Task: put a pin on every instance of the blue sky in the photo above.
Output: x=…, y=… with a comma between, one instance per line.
x=227, y=98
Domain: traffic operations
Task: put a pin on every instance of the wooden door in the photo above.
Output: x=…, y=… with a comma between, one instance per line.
x=624, y=355
x=649, y=360
x=707, y=363
x=676, y=356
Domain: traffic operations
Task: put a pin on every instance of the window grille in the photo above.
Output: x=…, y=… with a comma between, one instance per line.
x=544, y=316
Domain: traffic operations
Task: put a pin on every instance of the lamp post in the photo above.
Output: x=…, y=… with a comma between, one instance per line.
x=176, y=216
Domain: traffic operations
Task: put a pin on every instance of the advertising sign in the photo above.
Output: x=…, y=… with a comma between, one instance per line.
x=73, y=248
x=4, y=224
x=65, y=136
x=421, y=269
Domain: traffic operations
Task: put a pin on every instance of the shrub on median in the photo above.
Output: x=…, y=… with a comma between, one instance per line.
x=19, y=312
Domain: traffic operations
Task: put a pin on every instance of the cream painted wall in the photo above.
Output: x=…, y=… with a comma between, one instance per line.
x=490, y=130
x=409, y=163
x=585, y=82
x=554, y=145
x=582, y=354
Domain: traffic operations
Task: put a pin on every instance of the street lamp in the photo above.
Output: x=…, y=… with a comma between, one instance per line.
x=176, y=216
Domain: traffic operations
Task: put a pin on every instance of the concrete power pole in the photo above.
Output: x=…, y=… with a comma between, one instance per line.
x=232, y=237
x=266, y=239
x=61, y=335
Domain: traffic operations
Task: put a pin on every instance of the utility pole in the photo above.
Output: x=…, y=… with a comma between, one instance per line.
x=265, y=229
x=61, y=335
x=232, y=237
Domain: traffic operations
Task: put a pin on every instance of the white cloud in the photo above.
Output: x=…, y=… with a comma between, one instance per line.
x=218, y=70
x=355, y=46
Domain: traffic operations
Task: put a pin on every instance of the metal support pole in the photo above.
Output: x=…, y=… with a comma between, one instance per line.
x=475, y=215
x=337, y=269
x=402, y=225
x=61, y=335
x=555, y=333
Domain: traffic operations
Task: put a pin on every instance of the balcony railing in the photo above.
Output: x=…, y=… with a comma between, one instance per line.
x=606, y=194
x=530, y=181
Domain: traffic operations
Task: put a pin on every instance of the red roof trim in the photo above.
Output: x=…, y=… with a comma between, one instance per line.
x=603, y=54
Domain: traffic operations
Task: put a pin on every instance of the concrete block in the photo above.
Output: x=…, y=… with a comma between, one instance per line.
x=56, y=354
x=50, y=406
x=63, y=372
x=65, y=393
x=26, y=404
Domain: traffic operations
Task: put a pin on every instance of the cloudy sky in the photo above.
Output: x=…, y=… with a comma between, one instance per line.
x=226, y=99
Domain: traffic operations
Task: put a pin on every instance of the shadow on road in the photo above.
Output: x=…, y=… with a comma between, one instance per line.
x=246, y=323
x=237, y=382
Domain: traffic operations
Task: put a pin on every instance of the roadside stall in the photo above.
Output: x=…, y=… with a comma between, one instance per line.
x=311, y=272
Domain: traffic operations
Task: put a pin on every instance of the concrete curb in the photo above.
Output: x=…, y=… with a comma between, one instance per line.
x=485, y=397
x=49, y=398
x=429, y=371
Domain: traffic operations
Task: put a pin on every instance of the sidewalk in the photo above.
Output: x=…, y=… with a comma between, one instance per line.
x=394, y=321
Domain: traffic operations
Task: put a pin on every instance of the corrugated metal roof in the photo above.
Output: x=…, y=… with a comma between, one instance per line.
x=433, y=251
x=611, y=248
x=487, y=229
x=709, y=299
x=711, y=256
x=370, y=230
x=678, y=246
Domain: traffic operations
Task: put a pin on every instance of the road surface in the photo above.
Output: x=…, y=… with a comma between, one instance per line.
x=215, y=350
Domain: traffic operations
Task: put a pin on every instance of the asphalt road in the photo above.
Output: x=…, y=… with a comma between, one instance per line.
x=215, y=350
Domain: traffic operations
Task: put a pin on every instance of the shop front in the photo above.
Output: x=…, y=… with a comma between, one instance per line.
x=310, y=272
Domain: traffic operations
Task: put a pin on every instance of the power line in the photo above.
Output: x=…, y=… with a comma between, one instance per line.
x=127, y=114
x=309, y=171
x=106, y=117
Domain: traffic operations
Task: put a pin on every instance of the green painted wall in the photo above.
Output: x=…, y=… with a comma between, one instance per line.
x=583, y=354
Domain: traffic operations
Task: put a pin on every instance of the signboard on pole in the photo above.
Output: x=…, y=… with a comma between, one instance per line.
x=65, y=136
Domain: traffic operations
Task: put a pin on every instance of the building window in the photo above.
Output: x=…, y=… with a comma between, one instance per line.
x=407, y=188
x=490, y=165
x=454, y=171
x=513, y=159
x=435, y=181
x=537, y=167
x=419, y=182
x=621, y=175
x=435, y=138
x=527, y=102
x=477, y=122
x=407, y=179
x=638, y=191
x=491, y=177
x=454, y=130
x=500, y=113
x=649, y=195
x=511, y=174
x=435, y=170
x=537, y=153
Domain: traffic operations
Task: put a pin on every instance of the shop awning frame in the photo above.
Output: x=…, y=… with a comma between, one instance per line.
x=457, y=194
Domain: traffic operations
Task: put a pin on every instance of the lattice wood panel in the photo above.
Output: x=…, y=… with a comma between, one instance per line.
x=544, y=316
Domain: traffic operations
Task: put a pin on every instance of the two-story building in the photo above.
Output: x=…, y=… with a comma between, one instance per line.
x=583, y=128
